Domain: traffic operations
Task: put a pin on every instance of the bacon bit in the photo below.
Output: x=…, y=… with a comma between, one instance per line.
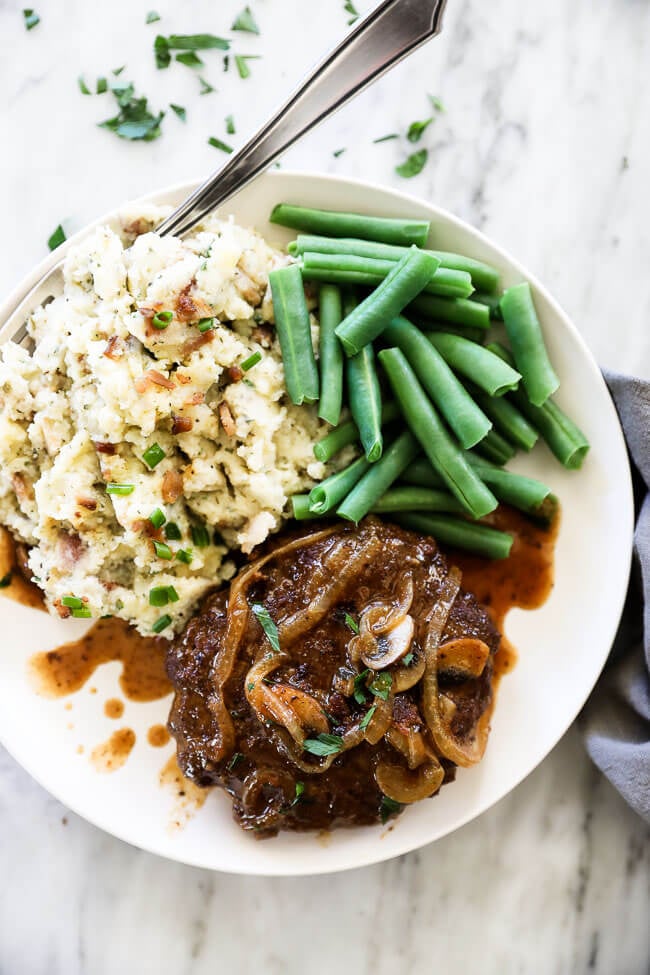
x=148, y=527
x=172, y=487
x=70, y=549
x=181, y=424
x=264, y=335
x=137, y=227
x=142, y=383
x=89, y=503
x=23, y=488
x=105, y=448
x=195, y=399
x=196, y=342
x=247, y=288
x=159, y=380
x=189, y=309
x=183, y=379
x=115, y=348
x=227, y=420
x=236, y=373
x=22, y=560
x=63, y=611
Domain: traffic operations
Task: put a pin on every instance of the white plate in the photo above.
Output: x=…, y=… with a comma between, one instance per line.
x=562, y=646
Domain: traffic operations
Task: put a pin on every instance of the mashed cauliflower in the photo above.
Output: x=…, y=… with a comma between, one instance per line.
x=112, y=419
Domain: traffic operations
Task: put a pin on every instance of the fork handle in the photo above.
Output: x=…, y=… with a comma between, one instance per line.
x=381, y=40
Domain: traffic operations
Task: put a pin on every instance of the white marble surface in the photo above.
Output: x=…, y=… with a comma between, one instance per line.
x=545, y=145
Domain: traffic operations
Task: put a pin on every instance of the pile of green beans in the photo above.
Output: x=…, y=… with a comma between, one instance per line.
x=435, y=411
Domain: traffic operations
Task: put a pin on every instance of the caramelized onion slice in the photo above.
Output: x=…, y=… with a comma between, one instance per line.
x=410, y=744
x=405, y=785
x=297, y=711
x=465, y=657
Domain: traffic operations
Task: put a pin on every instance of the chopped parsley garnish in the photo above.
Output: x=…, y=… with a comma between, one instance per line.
x=218, y=144
x=246, y=22
x=413, y=165
x=180, y=111
x=299, y=793
x=134, y=120
x=172, y=532
x=163, y=551
x=162, y=319
x=161, y=52
x=72, y=602
x=153, y=455
x=161, y=595
x=161, y=624
x=206, y=87
x=385, y=138
x=349, y=8
x=5, y=582
x=381, y=685
x=81, y=613
x=205, y=325
x=268, y=625
x=436, y=103
x=408, y=659
x=56, y=238
x=241, y=61
x=184, y=555
x=83, y=87
x=163, y=46
x=102, y=86
x=121, y=490
x=226, y=62
x=157, y=518
x=251, y=361
x=118, y=71
x=359, y=691
x=31, y=18
x=388, y=808
x=338, y=152
x=351, y=623
x=367, y=718
x=323, y=744
x=237, y=757
x=152, y=17
x=230, y=125
x=417, y=129
x=200, y=536
x=190, y=59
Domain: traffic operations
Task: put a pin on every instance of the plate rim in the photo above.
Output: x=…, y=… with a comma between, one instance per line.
x=273, y=869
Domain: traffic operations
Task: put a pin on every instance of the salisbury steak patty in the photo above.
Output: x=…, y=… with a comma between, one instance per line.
x=343, y=675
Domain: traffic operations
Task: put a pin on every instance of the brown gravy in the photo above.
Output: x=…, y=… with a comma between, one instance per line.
x=111, y=755
x=114, y=708
x=65, y=670
x=13, y=583
x=158, y=736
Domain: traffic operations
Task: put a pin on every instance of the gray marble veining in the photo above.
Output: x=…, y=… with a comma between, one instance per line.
x=545, y=145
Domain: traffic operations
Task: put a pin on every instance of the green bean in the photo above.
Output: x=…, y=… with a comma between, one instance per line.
x=496, y=448
x=376, y=481
x=443, y=452
x=464, y=417
x=352, y=269
x=409, y=498
x=330, y=313
x=326, y=495
x=465, y=331
x=483, y=275
x=524, y=493
x=364, y=396
x=475, y=362
x=492, y=301
x=458, y=311
x=300, y=505
x=404, y=282
x=458, y=533
x=348, y=433
x=333, y=223
x=294, y=332
x=564, y=439
x=421, y=472
x=528, y=347
x=507, y=419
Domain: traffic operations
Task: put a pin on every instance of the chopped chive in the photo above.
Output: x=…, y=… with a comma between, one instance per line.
x=163, y=551
x=153, y=455
x=172, y=532
x=5, y=582
x=230, y=125
x=190, y=59
x=417, y=129
x=219, y=144
x=251, y=361
x=205, y=324
x=102, y=86
x=367, y=717
x=121, y=490
x=413, y=165
x=161, y=624
x=83, y=87
x=241, y=62
x=72, y=602
x=184, y=555
x=158, y=596
x=81, y=613
x=351, y=623
x=56, y=238
x=173, y=595
x=180, y=111
x=31, y=18
x=157, y=518
x=268, y=625
x=200, y=536
x=162, y=319
x=152, y=17
x=206, y=87
x=246, y=22
x=386, y=138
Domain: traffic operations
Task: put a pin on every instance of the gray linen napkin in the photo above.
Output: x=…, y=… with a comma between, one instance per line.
x=616, y=719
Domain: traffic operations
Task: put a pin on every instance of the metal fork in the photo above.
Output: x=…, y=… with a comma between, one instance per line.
x=386, y=36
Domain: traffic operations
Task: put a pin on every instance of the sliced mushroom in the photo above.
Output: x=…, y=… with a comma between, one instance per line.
x=465, y=657
x=391, y=647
